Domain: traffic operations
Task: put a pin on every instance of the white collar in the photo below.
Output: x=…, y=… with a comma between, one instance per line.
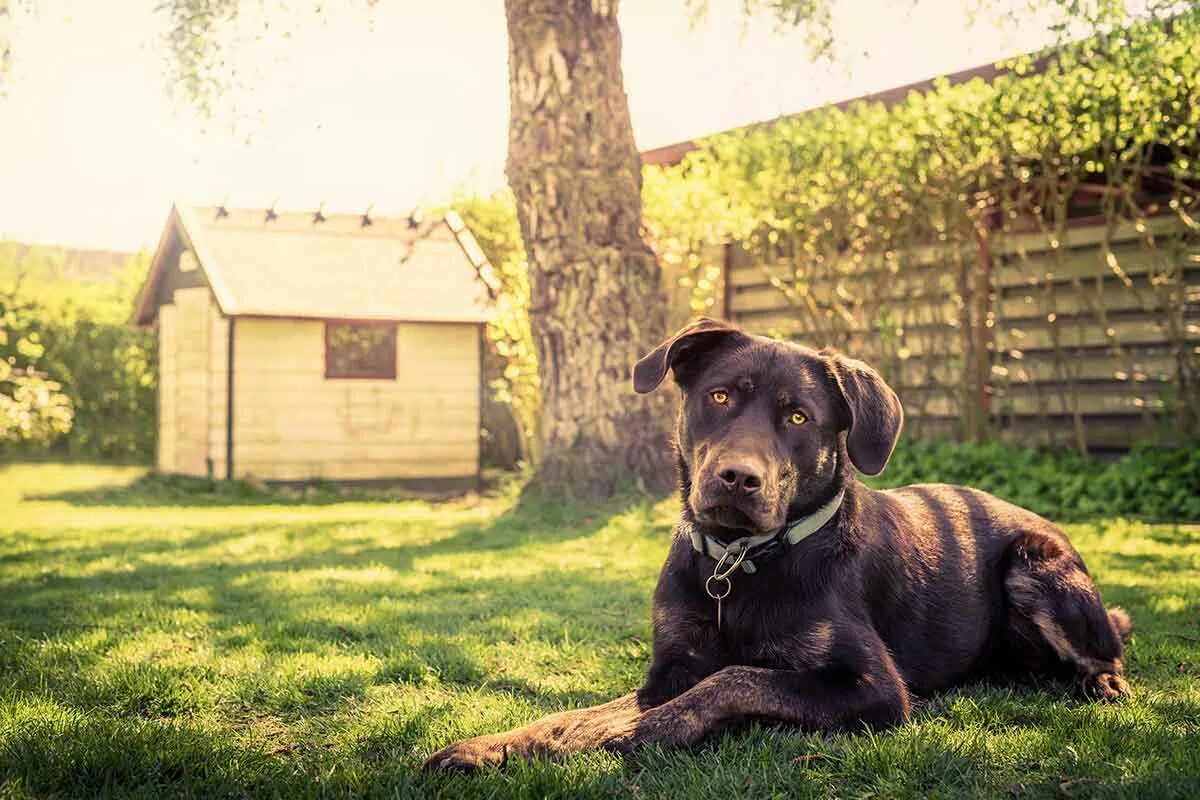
x=792, y=532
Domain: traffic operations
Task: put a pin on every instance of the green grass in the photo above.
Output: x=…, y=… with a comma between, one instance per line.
x=164, y=640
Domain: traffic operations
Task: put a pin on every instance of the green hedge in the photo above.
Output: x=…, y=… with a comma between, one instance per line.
x=1146, y=483
x=108, y=371
x=105, y=367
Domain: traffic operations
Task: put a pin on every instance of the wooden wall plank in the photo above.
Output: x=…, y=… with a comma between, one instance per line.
x=192, y=309
x=166, y=445
x=293, y=423
x=355, y=470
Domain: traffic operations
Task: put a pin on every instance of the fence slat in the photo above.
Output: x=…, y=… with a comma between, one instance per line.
x=1077, y=328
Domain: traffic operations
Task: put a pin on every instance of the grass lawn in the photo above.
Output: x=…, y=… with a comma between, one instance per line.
x=157, y=642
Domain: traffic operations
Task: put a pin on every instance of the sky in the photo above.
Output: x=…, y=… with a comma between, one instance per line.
x=393, y=106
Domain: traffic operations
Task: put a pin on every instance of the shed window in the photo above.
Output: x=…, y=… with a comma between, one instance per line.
x=360, y=350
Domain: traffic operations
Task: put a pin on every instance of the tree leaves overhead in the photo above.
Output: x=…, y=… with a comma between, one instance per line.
x=198, y=69
x=198, y=33
x=201, y=36
x=6, y=16
x=815, y=17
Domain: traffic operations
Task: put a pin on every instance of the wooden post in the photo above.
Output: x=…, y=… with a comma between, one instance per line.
x=979, y=365
x=229, y=376
x=726, y=281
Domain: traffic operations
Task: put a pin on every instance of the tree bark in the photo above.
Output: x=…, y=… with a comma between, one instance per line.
x=597, y=300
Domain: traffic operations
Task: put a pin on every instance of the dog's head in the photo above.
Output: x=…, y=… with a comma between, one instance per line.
x=762, y=422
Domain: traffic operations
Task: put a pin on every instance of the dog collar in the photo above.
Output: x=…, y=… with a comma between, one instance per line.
x=766, y=546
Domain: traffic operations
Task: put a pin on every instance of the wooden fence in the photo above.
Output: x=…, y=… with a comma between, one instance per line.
x=1092, y=341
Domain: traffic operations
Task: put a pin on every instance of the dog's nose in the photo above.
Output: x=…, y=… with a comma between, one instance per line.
x=741, y=477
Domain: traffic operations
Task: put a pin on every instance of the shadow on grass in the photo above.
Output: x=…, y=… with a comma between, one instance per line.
x=152, y=490
x=62, y=752
x=377, y=602
x=1150, y=563
x=532, y=520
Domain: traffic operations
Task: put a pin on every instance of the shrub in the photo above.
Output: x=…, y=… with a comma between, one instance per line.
x=492, y=220
x=1147, y=483
x=72, y=335
x=33, y=407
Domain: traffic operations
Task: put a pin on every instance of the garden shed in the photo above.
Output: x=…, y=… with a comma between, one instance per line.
x=299, y=346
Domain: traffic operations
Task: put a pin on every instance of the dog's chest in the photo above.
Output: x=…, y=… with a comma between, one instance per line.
x=781, y=633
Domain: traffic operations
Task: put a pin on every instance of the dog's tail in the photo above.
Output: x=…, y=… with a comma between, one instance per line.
x=1121, y=621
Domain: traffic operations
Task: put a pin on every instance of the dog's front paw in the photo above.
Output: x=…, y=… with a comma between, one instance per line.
x=470, y=755
x=1105, y=687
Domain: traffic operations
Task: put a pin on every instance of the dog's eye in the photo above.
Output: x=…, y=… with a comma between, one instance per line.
x=720, y=397
x=797, y=418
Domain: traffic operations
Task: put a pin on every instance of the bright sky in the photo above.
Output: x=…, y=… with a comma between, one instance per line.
x=394, y=106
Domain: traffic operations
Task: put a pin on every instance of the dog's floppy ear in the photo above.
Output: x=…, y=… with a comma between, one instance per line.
x=874, y=413
x=698, y=336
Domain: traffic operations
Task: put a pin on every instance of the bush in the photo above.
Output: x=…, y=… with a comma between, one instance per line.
x=512, y=370
x=1146, y=483
x=82, y=341
x=108, y=371
x=33, y=407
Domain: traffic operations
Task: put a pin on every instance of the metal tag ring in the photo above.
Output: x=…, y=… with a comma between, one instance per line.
x=737, y=560
x=709, y=591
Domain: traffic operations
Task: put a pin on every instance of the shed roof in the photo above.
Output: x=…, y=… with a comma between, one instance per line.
x=264, y=263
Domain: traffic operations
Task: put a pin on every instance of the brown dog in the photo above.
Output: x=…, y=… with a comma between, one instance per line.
x=794, y=593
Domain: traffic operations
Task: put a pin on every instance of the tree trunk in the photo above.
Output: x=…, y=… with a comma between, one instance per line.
x=597, y=300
